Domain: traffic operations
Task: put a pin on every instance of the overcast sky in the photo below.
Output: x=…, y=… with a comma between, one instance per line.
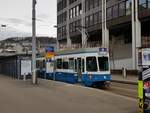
x=17, y=14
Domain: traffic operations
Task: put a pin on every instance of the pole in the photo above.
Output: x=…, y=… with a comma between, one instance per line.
x=83, y=35
x=34, y=77
x=138, y=31
x=103, y=25
x=133, y=36
x=105, y=31
x=69, y=43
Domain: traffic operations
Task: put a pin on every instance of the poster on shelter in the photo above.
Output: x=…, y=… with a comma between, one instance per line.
x=25, y=67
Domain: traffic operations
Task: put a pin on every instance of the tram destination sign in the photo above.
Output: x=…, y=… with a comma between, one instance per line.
x=103, y=51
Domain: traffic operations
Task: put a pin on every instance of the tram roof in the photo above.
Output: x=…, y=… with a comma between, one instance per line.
x=78, y=51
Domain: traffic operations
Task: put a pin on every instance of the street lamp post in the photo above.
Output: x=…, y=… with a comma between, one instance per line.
x=105, y=31
x=57, y=42
x=136, y=33
x=34, y=77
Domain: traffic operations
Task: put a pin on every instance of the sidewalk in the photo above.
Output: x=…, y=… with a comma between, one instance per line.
x=129, y=79
x=18, y=96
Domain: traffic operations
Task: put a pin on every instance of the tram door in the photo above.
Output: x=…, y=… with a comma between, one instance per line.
x=79, y=69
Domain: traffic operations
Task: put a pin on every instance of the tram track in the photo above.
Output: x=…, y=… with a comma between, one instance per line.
x=128, y=89
x=124, y=89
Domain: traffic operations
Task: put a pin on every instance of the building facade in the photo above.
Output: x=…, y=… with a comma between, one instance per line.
x=80, y=21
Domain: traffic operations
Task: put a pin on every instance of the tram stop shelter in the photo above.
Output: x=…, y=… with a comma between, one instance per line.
x=15, y=65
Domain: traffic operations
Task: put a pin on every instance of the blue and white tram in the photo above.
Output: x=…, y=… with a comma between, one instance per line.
x=88, y=66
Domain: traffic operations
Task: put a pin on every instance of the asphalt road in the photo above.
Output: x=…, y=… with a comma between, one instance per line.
x=129, y=90
x=55, y=97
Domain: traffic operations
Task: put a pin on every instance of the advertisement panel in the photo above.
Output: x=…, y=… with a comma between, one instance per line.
x=144, y=81
x=25, y=67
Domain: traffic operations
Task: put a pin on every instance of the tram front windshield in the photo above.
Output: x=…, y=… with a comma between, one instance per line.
x=103, y=63
x=91, y=64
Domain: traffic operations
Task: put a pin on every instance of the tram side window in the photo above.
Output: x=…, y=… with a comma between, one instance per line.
x=103, y=63
x=43, y=64
x=83, y=65
x=91, y=64
x=59, y=63
x=71, y=63
x=65, y=64
x=75, y=65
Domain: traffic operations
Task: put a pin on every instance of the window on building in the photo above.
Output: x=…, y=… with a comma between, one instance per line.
x=91, y=4
x=148, y=4
x=62, y=17
x=70, y=28
x=78, y=23
x=61, y=5
x=70, y=13
x=96, y=18
x=80, y=9
x=91, y=21
x=96, y=3
x=100, y=17
x=86, y=5
x=74, y=25
x=87, y=21
x=142, y=4
x=115, y=11
x=64, y=3
x=75, y=11
x=62, y=31
x=122, y=9
x=128, y=7
x=109, y=13
x=72, y=1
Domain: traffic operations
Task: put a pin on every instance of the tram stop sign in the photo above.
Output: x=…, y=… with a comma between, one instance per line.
x=144, y=80
x=49, y=52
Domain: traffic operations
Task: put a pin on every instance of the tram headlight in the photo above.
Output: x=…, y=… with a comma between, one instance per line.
x=75, y=75
x=105, y=77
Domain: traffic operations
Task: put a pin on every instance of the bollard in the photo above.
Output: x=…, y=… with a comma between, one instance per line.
x=124, y=72
x=24, y=77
